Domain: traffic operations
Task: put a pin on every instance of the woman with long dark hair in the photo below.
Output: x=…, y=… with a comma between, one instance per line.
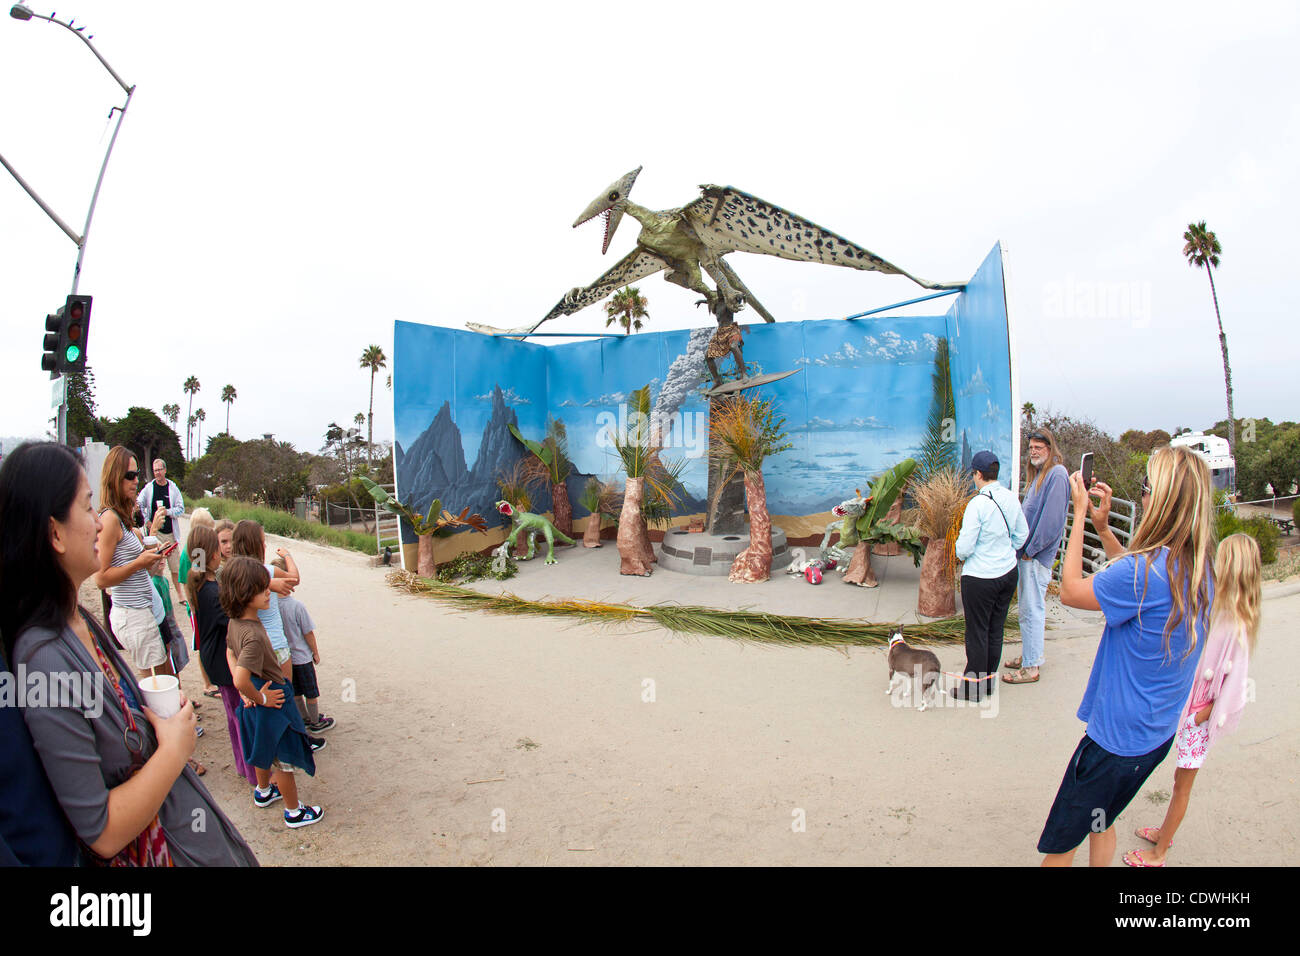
x=117, y=769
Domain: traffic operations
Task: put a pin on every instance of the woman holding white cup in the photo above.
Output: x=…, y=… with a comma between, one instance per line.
x=117, y=768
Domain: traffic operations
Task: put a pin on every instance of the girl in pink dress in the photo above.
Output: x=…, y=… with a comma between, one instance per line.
x=1221, y=689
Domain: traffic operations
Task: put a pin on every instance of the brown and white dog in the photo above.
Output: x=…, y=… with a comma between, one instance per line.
x=912, y=664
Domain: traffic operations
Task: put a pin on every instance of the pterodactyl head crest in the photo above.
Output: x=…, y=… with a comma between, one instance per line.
x=611, y=202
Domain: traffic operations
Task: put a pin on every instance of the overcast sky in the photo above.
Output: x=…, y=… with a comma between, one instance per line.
x=292, y=177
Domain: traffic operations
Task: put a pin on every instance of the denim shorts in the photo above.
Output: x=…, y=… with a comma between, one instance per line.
x=1097, y=786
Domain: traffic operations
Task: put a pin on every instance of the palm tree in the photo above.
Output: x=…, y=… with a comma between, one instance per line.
x=627, y=307
x=1203, y=249
x=191, y=387
x=746, y=431
x=200, y=416
x=188, y=431
x=172, y=412
x=228, y=395
x=374, y=359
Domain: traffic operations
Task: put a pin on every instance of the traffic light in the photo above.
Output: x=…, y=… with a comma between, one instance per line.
x=66, y=333
x=74, y=334
x=53, y=332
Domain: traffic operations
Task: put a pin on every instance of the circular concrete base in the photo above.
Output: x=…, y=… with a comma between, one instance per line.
x=713, y=554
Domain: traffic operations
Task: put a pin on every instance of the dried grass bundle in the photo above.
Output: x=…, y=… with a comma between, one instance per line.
x=749, y=626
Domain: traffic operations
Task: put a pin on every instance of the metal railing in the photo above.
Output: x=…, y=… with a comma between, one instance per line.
x=1122, y=522
x=388, y=527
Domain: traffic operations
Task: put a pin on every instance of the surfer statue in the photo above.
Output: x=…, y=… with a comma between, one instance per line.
x=726, y=341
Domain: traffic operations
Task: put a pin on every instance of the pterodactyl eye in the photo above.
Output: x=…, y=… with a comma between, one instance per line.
x=613, y=197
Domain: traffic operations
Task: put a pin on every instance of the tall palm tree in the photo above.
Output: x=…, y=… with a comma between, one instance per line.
x=374, y=359
x=1203, y=249
x=189, y=431
x=627, y=307
x=200, y=416
x=228, y=395
x=191, y=387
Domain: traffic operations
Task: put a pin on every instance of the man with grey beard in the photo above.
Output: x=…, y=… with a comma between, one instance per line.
x=1045, y=505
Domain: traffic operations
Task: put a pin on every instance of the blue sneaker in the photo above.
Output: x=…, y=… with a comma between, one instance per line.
x=268, y=799
x=304, y=816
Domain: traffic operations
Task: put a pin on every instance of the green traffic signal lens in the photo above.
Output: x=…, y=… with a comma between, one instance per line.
x=73, y=353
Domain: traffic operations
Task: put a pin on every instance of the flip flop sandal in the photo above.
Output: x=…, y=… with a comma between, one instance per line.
x=1014, y=663
x=1019, y=677
x=1150, y=834
x=1134, y=858
x=197, y=767
x=212, y=693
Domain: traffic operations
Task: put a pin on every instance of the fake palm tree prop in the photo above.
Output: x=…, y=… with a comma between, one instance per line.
x=374, y=359
x=550, y=463
x=228, y=396
x=601, y=499
x=638, y=448
x=1202, y=249
x=436, y=524
x=627, y=307
x=940, y=503
x=744, y=432
x=874, y=527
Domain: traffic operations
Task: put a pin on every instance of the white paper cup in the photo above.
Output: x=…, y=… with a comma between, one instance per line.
x=162, y=694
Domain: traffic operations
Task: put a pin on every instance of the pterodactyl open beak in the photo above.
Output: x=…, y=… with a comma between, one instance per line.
x=611, y=202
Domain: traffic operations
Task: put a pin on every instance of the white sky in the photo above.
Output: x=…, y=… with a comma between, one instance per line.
x=292, y=177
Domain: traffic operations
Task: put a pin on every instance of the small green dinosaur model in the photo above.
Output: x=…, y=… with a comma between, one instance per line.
x=531, y=526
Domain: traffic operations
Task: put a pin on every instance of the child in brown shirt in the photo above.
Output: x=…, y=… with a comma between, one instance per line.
x=274, y=738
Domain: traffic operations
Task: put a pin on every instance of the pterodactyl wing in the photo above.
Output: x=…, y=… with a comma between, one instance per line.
x=635, y=265
x=728, y=220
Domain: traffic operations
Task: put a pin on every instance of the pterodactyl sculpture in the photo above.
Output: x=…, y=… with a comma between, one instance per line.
x=695, y=237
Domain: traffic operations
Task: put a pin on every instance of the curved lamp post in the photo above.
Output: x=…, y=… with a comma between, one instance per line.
x=20, y=12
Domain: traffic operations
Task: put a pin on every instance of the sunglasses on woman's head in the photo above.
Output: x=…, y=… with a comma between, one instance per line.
x=1146, y=485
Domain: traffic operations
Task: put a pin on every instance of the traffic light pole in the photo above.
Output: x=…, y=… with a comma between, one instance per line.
x=21, y=12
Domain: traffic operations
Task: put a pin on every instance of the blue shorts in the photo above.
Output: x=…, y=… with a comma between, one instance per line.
x=1097, y=786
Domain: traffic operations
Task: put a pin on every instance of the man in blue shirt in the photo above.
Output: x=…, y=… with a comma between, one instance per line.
x=1047, y=499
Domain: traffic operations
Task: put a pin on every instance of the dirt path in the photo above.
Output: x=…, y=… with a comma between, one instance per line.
x=505, y=741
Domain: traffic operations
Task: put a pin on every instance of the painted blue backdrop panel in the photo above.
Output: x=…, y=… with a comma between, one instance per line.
x=981, y=366
x=858, y=404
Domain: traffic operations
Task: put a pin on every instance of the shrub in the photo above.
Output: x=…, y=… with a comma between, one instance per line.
x=1260, y=528
x=1265, y=534
x=288, y=525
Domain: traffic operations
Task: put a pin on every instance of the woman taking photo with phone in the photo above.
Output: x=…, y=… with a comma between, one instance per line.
x=1156, y=599
x=116, y=768
x=123, y=566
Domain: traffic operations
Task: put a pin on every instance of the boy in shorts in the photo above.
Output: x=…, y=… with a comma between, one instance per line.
x=273, y=736
x=305, y=655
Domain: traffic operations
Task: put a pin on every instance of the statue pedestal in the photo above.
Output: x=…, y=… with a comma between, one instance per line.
x=713, y=554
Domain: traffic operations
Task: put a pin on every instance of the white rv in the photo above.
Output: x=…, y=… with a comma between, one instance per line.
x=1215, y=451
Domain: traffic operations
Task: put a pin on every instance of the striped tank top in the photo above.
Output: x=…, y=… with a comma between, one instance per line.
x=137, y=590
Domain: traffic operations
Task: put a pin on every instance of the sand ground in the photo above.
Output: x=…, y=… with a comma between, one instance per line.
x=471, y=739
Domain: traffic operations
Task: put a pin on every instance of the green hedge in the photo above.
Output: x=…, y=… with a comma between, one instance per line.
x=287, y=525
x=1261, y=529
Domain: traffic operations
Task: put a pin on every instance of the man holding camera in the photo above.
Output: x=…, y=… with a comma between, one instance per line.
x=163, y=495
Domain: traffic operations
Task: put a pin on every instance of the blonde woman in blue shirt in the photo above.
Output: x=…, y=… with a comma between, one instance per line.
x=993, y=529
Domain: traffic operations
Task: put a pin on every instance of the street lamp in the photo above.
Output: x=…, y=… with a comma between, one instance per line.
x=21, y=12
